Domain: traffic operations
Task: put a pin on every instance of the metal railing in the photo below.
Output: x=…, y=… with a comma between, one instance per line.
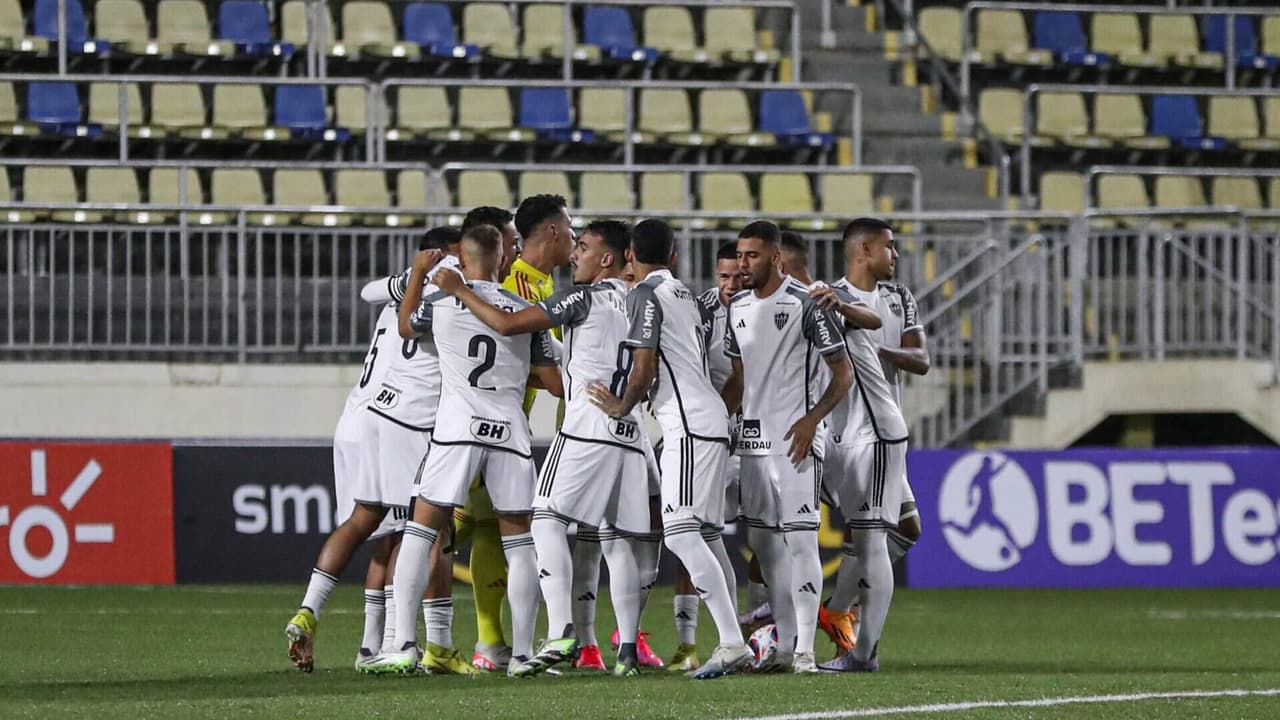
x=1030, y=115
x=970, y=8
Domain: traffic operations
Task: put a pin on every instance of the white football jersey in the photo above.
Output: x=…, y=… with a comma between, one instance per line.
x=483, y=374
x=899, y=315
x=781, y=340
x=870, y=412
x=595, y=349
x=382, y=345
x=713, y=314
x=665, y=315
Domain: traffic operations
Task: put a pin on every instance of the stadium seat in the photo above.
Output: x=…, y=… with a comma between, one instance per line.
x=549, y=113
x=240, y=187
x=293, y=28
x=487, y=112
x=1062, y=192
x=9, y=122
x=1246, y=42
x=941, y=27
x=301, y=108
x=790, y=193
x=184, y=25
x=665, y=192
x=1122, y=192
x=665, y=114
x=532, y=182
x=78, y=40
x=1063, y=34
x=847, y=194
x=1236, y=119
x=124, y=24
x=1118, y=35
x=164, y=188
x=1271, y=117
x=55, y=107
x=1000, y=109
x=1271, y=35
x=1062, y=117
x=351, y=108
x=245, y=23
x=604, y=191
x=1239, y=192
x=1177, y=117
x=425, y=112
x=609, y=28
x=1174, y=37
x=430, y=27
x=489, y=27
x=726, y=30
x=411, y=191
x=725, y=114
x=1120, y=118
x=724, y=192
x=12, y=215
x=1273, y=194
x=368, y=29
x=367, y=188
x=669, y=29
x=483, y=187
x=46, y=184
x=783, y=113
x=118, y=185
x=180, y=108
x=240, y=110
x=302, y=187
x=13, y=37
x=104, y=109
x=1179, y=191
x=603, y=111
x=544, y=34
x=1002, y=34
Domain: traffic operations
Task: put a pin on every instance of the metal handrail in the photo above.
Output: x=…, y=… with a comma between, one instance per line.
x=1158, y=171
x=966, y=25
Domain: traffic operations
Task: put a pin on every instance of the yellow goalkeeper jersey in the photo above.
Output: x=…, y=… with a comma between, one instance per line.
x=535, y=286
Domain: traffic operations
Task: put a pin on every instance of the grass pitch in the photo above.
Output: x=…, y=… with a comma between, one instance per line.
x=219, y=652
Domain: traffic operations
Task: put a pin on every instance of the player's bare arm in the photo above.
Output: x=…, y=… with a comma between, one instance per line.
x=547, y=377
x=802, y=432
x=422, y=264
x=913, y=356
x=528, y=320
x=644, y=369
x=732, y=391
x=855, y=314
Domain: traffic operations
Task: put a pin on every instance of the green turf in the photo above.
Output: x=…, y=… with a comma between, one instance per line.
x=219, y=652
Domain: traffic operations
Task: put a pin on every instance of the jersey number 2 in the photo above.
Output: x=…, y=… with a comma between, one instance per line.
x=485, y=349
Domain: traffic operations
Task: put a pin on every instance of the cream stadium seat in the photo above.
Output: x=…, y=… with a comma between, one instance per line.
x=1179, y=191
x=789, y=193
x=535, y=182
x=483, y=187
x=105, y=185
x=489, y=27
x=163, y=188
x=1120, y=117
x=45, y=184
x=1119, y=35
x=726, y=29
x=9, y=122
x=298, y=187
x=669, y=29
x=1240, y=192
x=241, y=187
x=1236, y=119
x=665, y=113
x=367, y=188
x=425, y=112
x=1000, y=109
x=124, y=23
x=411, y=193
x=1003, y=34
x=847, y=194
x=487, y=112
x=13, y=37
x=1271, y=119
x=1122, y=192
x=1175, y=38
x=725, y=114
x=604, y=191
x=942, y=26
x=293, y=28
x=665, y=192
x=368, y=29
x=1271, y=35
x=179, y=108
x=724, y=192
x=184, y=25
x=1062, y=192
x=350, y=108
x=1273, y=194
x=240, y=110
x=12, y=215
x=1062, y=116
x=104, y=109
x=603, y=111
x=544, y=34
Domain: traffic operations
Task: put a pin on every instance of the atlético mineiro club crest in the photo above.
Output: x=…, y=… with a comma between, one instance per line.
x=780, y=319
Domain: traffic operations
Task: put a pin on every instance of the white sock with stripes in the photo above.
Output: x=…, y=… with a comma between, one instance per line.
x=375, y=613
x=437, y=616
x=899, y=545
x=685, y=608
x=586, y=582
x=412, y=568
x=555, y=570
x=682, y=538
x=846, y=593
x=875, y=580
x=716, y=543
x=806, y=583
x=624, y=584
x=389, y=631
x=775, y=565
x=318, y=589
x=522, y=590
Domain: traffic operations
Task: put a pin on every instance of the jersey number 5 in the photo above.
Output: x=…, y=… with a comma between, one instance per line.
x=485, y=349
x=371, y=357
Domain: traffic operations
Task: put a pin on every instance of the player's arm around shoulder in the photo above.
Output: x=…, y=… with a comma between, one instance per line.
x=414, y=315
x=731, y=393
x=855, y=314
x=913, y=355
x=526, y=320
x=544, y=372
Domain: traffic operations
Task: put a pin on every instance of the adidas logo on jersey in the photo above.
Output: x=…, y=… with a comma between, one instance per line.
x=742, y=324
x=808, y=588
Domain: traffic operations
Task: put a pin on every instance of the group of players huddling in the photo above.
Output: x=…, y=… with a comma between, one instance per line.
x=774, y=394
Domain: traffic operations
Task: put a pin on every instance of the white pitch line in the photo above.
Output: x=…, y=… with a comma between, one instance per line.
x=940, y=708
x=1214, y=614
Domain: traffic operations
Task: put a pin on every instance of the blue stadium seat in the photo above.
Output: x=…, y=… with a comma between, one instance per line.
x=301, y=108
x=548, y=112
x=1246, y=42
x=1063, y=34
x=609, y=28
x=245, y=23
x=782, y=112
x=55, y=106
x=78, y=40
x=431, y=26
x=1178, y=118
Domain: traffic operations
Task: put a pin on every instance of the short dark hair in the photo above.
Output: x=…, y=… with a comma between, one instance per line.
x=486, y=237
x=651, y=242
x=794, y=242
x=765, y=230
x=440, y=238
x=535, y=209
x=486, y=215
x=727, y=251
x=864, y=226
x=616, y=235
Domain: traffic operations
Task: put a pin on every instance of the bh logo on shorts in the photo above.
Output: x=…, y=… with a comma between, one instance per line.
x=988, y=510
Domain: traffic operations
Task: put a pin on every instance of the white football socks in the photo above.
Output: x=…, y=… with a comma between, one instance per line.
x=318, y=589
x=437, y=616
x=586, y=582
x=554, y=571
x=775, y=564
x=806, y=584
x=682, y=538
x=716, y=542
x=522, y=590
x=686, y=611
x=389, y=631
x=648, y=550
x=899, y=545
x=412, y=568
x=875, y=579
x=375, y=613
x=846, y=592
x=624, y=584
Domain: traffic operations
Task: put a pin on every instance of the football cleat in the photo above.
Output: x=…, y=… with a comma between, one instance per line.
x=644, y=653
x=364, y=657
x=804, y=664
x=589, y=658
x=552, y=652
x=404, y=662
x=301, y=634
x=491, y=658
x=839, y=627
x=752, y=619
x=847, y=663
x=440, y=660
x=626, y=668
x=685, y=659
x=726, y=660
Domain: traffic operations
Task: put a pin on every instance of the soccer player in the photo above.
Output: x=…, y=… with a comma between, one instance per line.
x=866, y=455
x=669, y=366
x=483, y=380
x=777, y=337
x=595, y=470
x=714, y=302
